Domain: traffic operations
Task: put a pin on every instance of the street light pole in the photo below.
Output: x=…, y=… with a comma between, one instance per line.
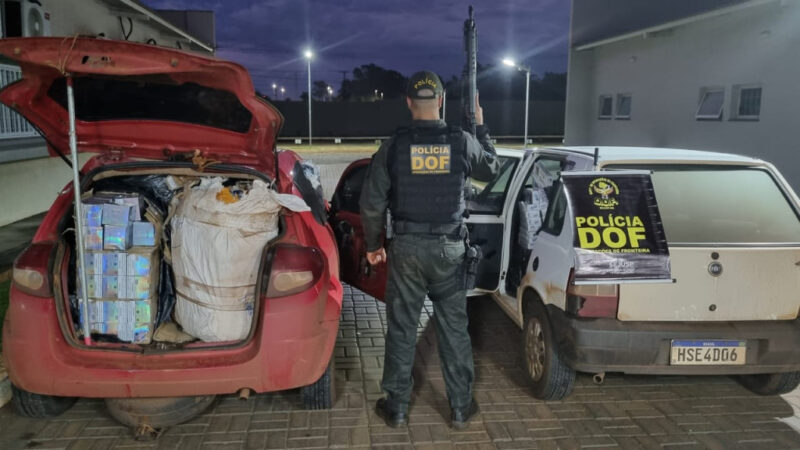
x=308, y=56
x=527, y=101
x=511, y=63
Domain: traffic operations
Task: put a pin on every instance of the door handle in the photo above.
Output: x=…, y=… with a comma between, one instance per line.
x=535, y=264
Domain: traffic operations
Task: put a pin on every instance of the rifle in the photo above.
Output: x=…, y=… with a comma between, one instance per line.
x=468, y=80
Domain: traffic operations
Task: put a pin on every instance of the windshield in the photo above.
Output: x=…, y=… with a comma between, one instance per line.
x=723, y=205
x=101, y=98
x=488, y=198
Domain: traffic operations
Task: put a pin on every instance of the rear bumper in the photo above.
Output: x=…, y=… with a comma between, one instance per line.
x=610, y=345
x=291, y=348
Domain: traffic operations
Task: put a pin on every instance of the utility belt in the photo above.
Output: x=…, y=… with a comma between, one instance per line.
x=472, y=252
x=456, y=230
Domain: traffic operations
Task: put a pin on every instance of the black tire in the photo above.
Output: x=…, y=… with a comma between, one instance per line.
x=552, y=379
x=321, y=394
x=40, y=406
x=771, y=383
x=156, y=413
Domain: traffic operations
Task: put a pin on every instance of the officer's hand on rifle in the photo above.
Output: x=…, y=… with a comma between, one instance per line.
x=376, y=257
x=478, y=111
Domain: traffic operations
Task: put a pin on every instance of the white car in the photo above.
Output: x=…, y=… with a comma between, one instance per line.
x=733, y=228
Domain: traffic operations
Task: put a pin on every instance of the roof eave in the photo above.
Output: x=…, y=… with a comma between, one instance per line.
x=675, y=23
x=152, y=15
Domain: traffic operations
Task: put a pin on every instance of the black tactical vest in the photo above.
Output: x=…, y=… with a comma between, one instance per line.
x=428, y=168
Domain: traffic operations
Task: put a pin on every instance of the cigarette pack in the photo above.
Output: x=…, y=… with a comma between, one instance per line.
x=134, y=201
x=137, y=288
x=144, y=234
x=95, y=284
x=112, y=285
x=93, y=238
x=106, y=263
x=128, y=320
x=141, y=264
x=116, y=237
x=118, y=215
x=92, y=215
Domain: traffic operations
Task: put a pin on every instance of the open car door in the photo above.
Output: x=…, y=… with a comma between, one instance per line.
x=489, y=204
x=345, y=220
x=487, y=225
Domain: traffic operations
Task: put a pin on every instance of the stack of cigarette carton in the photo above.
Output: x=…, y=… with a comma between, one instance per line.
x=122, y=268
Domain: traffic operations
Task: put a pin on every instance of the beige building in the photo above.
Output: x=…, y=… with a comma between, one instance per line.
x=29, y=178
x=702, y=74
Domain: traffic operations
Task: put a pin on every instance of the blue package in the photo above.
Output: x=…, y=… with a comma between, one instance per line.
x=116, y=237
x=144, y=234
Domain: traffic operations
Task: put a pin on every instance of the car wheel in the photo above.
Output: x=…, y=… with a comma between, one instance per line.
x=40, y=406
x=771, y=383
x=154, y=414
x=321, y=394
x=552, y=379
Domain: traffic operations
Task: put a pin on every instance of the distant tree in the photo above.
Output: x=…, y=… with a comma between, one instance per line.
x=319, y=90
x=369, y=78
x=501, y=83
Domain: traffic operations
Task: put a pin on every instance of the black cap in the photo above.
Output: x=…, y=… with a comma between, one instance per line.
x=424, y=85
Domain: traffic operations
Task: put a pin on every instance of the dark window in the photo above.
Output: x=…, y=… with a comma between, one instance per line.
x=722, y=205
x=556, y=212
x=711, y=101
x=488, y=198
x=749, y=103
x=623, y=106
x=606, y=107
x=12, y=19
x=153, y=98
x=346, y=198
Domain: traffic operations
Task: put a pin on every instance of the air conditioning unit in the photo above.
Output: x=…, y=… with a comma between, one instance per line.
x=35, y=20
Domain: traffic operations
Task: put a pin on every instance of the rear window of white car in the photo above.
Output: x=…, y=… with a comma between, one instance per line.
x=719, y=206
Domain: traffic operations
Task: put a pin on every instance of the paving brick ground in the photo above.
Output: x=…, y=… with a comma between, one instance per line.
x=625, y=412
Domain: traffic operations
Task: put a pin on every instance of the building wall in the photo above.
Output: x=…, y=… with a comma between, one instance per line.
x=30, y=187
x=31, y=181
x=666, y=72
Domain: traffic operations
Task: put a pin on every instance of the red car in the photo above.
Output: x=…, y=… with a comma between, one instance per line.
x=146, y=110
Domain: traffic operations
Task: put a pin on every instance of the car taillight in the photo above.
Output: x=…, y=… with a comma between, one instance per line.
x=31, y=274
x=592, y=300
x=294, y=269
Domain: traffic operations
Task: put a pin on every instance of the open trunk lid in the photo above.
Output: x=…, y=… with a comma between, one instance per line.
x=145, y=101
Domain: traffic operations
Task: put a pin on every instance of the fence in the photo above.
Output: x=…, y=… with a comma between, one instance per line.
x=12, y=125
x=381, y=118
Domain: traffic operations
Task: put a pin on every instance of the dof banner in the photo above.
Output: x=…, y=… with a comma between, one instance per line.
x=618, y=232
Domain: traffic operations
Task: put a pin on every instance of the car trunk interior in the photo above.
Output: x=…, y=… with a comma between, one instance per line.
x=148, y=291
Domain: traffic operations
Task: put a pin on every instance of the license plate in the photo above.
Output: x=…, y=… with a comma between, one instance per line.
x=707, y=353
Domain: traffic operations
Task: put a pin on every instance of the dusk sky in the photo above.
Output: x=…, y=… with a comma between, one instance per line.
x=268, y=36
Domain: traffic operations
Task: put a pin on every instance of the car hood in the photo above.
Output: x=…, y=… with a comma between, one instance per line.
x=141, y=100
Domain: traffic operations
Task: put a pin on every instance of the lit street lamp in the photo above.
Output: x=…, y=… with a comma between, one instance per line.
x=330, y=93
x=274, y=90
x=283, y=91
x=511, y=63
x=308, y=54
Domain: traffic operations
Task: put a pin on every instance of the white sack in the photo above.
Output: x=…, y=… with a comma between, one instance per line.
x=216, y=252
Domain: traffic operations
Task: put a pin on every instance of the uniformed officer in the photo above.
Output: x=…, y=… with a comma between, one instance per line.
x=420, y=174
